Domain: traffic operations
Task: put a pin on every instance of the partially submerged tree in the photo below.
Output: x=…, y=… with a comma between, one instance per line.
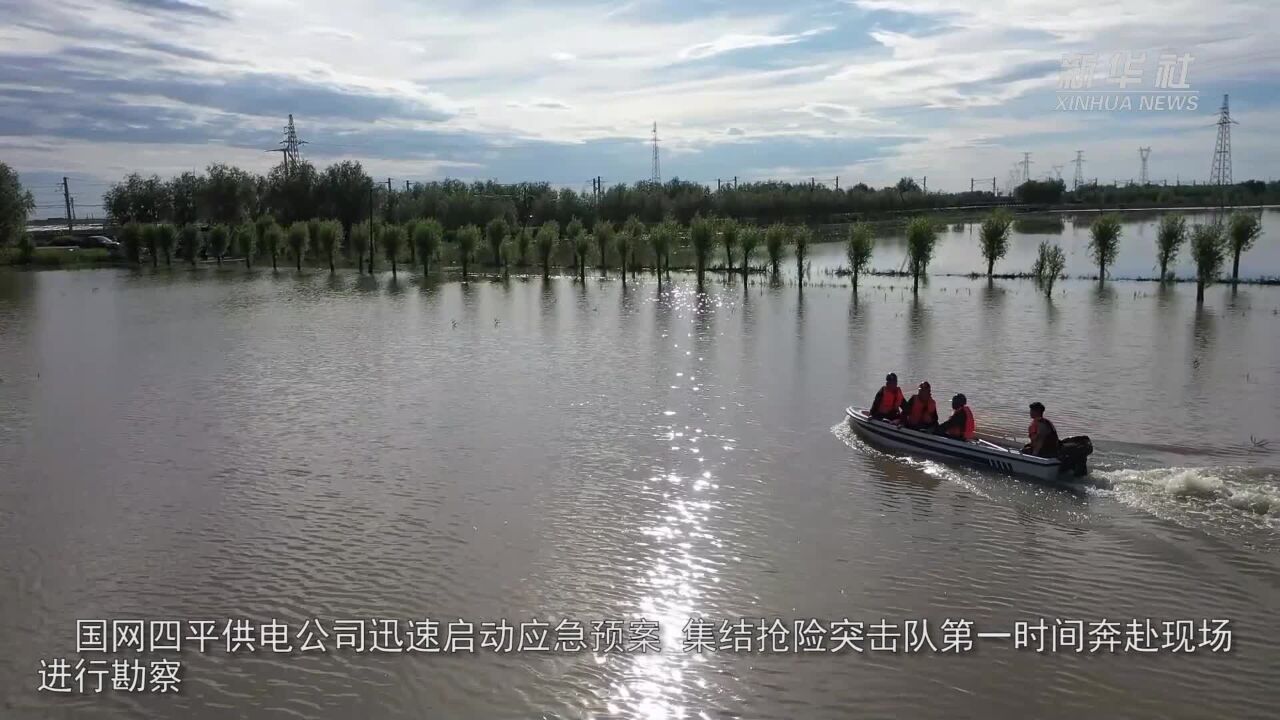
x=131, y=240
x=574, y=233
x=603, y=233
x=392, y=243
x=802, y=237
x=993, y=236
x=775, y=238
x=627, y=240
x=189, y=243
x=922, y=239
x=358, y=240
x=272, y=239
x=702, y=233
x=1169, y=238
x=523, y=239
x=858, y=250
x=1050, y=261
x=495, y=232
x=581, y=246
x=151, y=237
x=468, y=241
x=1209, y=251
x=219, y=236
x=729, y=233
x=166, y=236
x=1104, y=242
x=661, y=238
x=327, y=237
x=545, y=243
x=245, y=239
x=749, y=238
x=1243, y=231
x=299, y=237
x=427, y=236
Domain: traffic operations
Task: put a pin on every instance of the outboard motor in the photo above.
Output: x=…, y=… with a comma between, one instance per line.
x=1073, y=452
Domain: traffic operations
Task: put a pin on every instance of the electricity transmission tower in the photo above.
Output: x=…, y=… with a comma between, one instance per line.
x=290, y=147
x=656, y=174
x=1220, y=175
x=1144, y=153
x=1079, y=162
x=1026, y=166
x=1057, y=172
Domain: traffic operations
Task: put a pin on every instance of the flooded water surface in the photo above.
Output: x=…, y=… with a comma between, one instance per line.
x=216, y=444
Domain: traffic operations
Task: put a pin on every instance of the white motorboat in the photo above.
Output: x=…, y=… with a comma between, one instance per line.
x=1068, y=467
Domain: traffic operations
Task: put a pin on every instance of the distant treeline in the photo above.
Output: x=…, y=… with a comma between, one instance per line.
x=226, y=195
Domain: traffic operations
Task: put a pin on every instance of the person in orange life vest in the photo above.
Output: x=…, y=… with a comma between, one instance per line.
x=1043, y=435
x=921, y=412
x=960, y=425
x=888, y=402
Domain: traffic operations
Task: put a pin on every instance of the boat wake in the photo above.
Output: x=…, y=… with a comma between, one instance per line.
x=1226, y=497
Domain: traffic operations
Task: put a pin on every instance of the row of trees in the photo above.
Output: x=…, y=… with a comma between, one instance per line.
x=344, y=191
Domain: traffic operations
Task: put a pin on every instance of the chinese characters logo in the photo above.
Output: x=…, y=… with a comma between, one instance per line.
x=1127, y=84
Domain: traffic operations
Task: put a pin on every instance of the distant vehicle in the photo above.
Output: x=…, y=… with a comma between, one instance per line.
x=99, y=241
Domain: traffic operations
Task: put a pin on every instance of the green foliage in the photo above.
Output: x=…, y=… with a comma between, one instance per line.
x=1104, y=242
x=993, y=237
x=1040, y=192
x=1170, y=236
x=165, y=237
x=729, y=232
x=922, y=239
x=495, y=232
x=602, y=232
x=1243, y=231
x=150, y=238
x=802, y=236
x=1050, y=262
x=131, y=241
x=15, y=204
x=1209, y=252
x=299, y=237
x=545, y=242
x=468, y=241
x=427, y=236
x=358, y=241
x=217, y=243
x=392, y=244
x=581, y=246
x=272, y=239
x=137, y=199
x=244, y=240
x=227, y=195
x=26, y=248
x=661, y=238
x=750, y=238
x=702, y=234
x=189, y=243
x=522, y=241
x=328, y=239
x=775, y=238
x=858, y=249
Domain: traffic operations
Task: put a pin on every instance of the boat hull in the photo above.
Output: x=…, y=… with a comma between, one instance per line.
x=983, y=454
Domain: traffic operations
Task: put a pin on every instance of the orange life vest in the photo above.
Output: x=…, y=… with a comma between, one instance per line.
x=920, y=410
x=890, y=400
x=1031, y=429
x=970, y=432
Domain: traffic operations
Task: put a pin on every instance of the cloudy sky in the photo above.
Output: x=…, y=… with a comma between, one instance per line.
x=564, y=90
